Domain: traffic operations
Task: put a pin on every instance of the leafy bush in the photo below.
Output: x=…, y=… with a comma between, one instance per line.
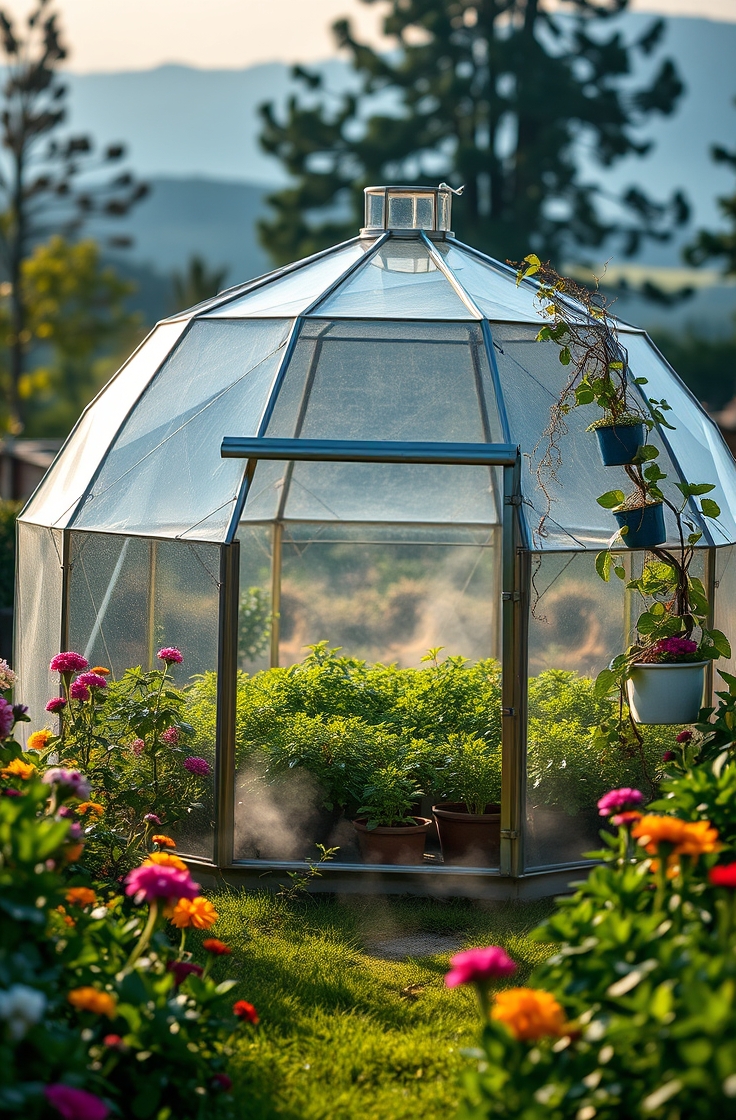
x=472, y=772
x=8, y=513
x=388, y=798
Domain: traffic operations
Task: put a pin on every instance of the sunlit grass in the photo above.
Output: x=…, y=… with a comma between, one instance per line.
x=344, y=1034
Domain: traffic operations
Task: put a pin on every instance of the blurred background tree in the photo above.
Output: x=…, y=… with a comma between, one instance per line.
x=198, y=283
x=500, y=95
x=48, y=185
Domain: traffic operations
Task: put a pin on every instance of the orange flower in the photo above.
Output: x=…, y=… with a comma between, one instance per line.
x=38, y=740
x=100, y=669
x=91, y=807
x=197, y=912
x=529, y=1014
x=81, y=896
x=72, y=852
x=690, y=838
x=166, y=859
x=92, y=999
x=217, y=948
x=68, y=921
x=17, y=768
x=163, y=841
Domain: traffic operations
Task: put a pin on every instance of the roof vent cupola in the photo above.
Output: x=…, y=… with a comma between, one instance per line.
x=405, y=210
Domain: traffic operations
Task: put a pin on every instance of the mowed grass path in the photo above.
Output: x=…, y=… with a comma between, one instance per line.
x=344, y=1034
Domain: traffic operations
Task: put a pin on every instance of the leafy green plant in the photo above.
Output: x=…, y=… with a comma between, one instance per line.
x=389, y=797
x=254, y=624
x=472, y=772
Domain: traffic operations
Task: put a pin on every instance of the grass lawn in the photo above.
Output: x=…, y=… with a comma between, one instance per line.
x=344, y=1033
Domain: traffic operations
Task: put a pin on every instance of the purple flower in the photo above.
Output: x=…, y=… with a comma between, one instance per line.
x=617, y=799
x=153, y=881
x=56, y=704
x=91, y=680
x=75, y=1104
x=152, y=818
x=70, y=782
x=79, y=690
x=477, y=966
x=182, y=969
x=7, y=717
x=75, y=831
x=10, y=792
x=684, y=737
x=69, y=662
x=671, y=648
x=171, y=655
x=170, y=736
x=199, y=766
x=20, y=711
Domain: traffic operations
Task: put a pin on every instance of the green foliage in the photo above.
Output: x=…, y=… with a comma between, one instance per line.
x=472, y=772
x=456, y=74
x=706, y=365
x=8, y=513
x=647, y=981
x=721, y=244
x=254, y=625
x=388, y=797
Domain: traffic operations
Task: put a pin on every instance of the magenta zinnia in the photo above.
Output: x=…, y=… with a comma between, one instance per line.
x=170, y=736
x=171, y=655
x=91, y=680
x=616, y=800
x=75, y=1104
x=673, y=648
x=79, y=690
x=68, y=662
x=199, y=766
x=55, y=704
x=7, y=717
x=70, y=782
x=154, y=881
x=476, y=966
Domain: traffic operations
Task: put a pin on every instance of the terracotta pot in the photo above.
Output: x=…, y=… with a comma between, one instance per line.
x=473, y=839
x=397, y=844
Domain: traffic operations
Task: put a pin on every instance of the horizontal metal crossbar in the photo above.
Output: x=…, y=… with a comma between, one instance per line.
x=369, y=451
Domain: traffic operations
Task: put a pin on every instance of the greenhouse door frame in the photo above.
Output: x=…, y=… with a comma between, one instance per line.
x=515, y=563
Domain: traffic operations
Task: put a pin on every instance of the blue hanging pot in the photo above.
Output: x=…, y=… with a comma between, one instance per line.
x=644, y=524
x=619, y=443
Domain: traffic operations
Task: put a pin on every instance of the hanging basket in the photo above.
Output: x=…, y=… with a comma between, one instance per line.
x=619, y=443
x=645, y=525
x=666, y=693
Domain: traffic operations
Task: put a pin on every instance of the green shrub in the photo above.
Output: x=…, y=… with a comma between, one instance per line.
x=8, y=513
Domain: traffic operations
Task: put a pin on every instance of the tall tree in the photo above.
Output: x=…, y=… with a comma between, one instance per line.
x=47, y=185
x=501, y=95
x=718, y=245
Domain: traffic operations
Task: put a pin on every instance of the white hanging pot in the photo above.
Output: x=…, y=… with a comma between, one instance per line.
x=661, y=693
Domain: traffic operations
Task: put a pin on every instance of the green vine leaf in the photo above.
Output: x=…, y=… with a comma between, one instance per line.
x=710, y=508
x=611, y=499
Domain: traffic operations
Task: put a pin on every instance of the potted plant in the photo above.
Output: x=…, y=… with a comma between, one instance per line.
x=469, y=820
x=387, y=833
x=666, y=684
x=619, y=438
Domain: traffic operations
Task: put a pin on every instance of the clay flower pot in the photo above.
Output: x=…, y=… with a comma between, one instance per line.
x=619, y=443
x=468, y=838
x=662, y=693
x=395, y=844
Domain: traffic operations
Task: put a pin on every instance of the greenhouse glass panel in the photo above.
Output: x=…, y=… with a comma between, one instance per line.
x=265, y=492
x=254, y=607
x=64, y=484
x=165, y=473
x=400, y=281
x=38, y=619
x=492, y=289
x=109, y=595
x=292, y=294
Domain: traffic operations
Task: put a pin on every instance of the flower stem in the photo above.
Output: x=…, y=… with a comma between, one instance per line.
x=144, y=938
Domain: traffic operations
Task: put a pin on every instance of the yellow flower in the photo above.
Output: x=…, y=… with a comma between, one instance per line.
x=166, y=859
x=93, y=807
x=163, y=841
x=17, y=768
x=196, y=912
x=92, y=999
x=81, y=896
x=688, y=838
x=38, y=740
x=529, y=1014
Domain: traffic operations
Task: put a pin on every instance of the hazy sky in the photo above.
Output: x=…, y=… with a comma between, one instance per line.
x=138, y=34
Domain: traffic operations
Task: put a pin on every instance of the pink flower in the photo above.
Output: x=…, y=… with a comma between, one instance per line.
x=170, y=736
x=171, y=655
x=182, y=969
x=92, y=680
x=70, y=782
x=199, y=766
x=684, y=737
x=79, y=690
x=629, y=816
x=668, y=756
x=137, y=747
x=671, y=648
x=56, y=704
x=68, y=663
x=476, y=966
x=617, y=799
x=75, y=1104
x=7, y=717
x=153, y=881
x=150, y=817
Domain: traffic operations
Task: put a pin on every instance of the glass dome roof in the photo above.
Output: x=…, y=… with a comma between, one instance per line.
x=395, y=335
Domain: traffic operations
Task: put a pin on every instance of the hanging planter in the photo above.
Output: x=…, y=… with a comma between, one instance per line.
x=393, y=844
x=473, y=839
x=644, y=525
x=619, y=442
x=662, y=693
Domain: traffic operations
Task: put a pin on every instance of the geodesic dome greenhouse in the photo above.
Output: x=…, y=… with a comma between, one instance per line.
x=402, y=375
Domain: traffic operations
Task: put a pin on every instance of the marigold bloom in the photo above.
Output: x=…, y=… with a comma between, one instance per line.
x=79, y=691
x=617, y=800
x=171, y=655
x=38, y=740
x=166, y=859
x=17, y=768
x=92, y=807
x=199, y=766
x=244, y=1010
x=55, y=704
x=479, y=965
x=163, y=841
x=690, y=838
x=723, y=876
x=68, y=662
x=529, y=1014
x=217, y=948
x=101, y=669
x=67, y=919
x=75, y=1104
x=81, y=896
x=150, y=883
x=197, y=913
x=92, y=999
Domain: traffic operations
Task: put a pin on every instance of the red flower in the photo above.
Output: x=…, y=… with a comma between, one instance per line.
x=723, y=876
x=668, y=756
x=245, y=1010
x=684, y=737
x=114, y=1042
x=182, y=969
x=222, y=1081
x=218, y=948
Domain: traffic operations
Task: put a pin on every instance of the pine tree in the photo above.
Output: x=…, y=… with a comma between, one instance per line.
x=498, y=95
x=718, y=245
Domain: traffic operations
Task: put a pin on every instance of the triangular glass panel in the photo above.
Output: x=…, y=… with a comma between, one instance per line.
x=293, y=293
x=492, y=288
x=400, y=281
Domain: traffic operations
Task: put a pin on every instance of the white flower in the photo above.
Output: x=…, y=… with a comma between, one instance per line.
x=7, y=676
x=21, y=1007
